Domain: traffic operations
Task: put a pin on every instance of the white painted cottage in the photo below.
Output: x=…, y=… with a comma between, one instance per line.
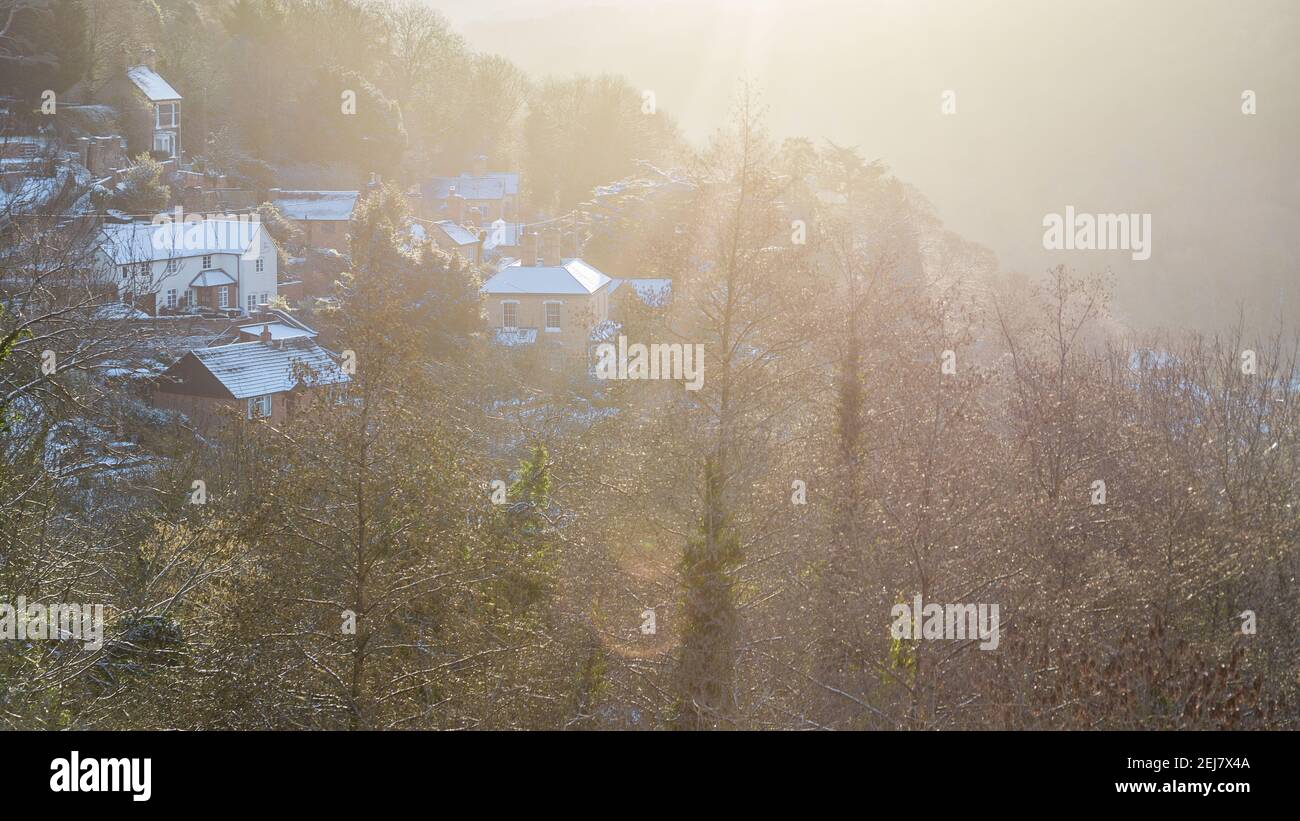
x=225, y=265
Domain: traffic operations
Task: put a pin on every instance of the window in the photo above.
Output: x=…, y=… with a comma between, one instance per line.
x=259, y=407
x=252, y=303
x=193, y=298
x=265, y=300
x=173, y=265
x=552, y=316
x=510, y=315
x=261, y=265
x=223, y=296
x=165, y=141
x=171, y=298
x=207, y=262
x=166, y=115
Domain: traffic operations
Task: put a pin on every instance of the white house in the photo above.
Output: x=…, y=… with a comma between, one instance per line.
x=226, y=265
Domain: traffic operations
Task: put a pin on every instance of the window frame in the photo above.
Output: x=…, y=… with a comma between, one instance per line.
x=546, y=316
x=508, y=305
x=262, y=404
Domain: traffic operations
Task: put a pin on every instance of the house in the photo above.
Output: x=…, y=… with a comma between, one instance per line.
x=547, y=301
x=322, y=216
x=214, y=265
x=457, y=239
x=261, y=379
x=478, y=197
x=161, y=107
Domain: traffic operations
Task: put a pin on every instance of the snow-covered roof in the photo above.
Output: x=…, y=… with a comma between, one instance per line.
x=207, y=279
x=491, y=186
x=571, y=276
x=154, y=87
x=653, y=292
x=458, y=234
x=257, y=368
x=317, y=205
x=147, y=242
x=118, y=310
x=279, y=330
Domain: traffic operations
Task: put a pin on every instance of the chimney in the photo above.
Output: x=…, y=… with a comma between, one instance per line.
x=149, y=57
x=456, y=207
x=480, y=165
x=265, y=335
x=528, y=249
x=551, y=248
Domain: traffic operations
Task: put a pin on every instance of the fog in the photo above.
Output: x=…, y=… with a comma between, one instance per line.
x=1103, y=106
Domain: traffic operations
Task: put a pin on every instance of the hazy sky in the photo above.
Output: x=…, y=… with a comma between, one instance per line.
x=1110, y=107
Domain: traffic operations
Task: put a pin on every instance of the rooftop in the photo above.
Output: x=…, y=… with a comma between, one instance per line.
x=152, y=85
x=316, y=205
x=278, y=331
x=571, y=276
x=458, y=234
x=256, y=368
x=147, y=242
x=490, y=186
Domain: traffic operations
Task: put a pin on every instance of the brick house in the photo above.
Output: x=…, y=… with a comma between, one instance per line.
x=262, y=379
x=548, y=301
x=324, y=217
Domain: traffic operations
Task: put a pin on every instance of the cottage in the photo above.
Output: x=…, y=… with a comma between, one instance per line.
x=457, y=239
x=322, y=216
x=162, y=106
x=262, y=379
x=226, y=265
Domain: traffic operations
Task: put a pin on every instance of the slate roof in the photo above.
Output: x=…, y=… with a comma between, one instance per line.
x=279, y=330
x=146, y=242
x=491, y=186
x=458, y=234
x=336, y=206
x=256, y=368
x=571, y=276
x=152, y=85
